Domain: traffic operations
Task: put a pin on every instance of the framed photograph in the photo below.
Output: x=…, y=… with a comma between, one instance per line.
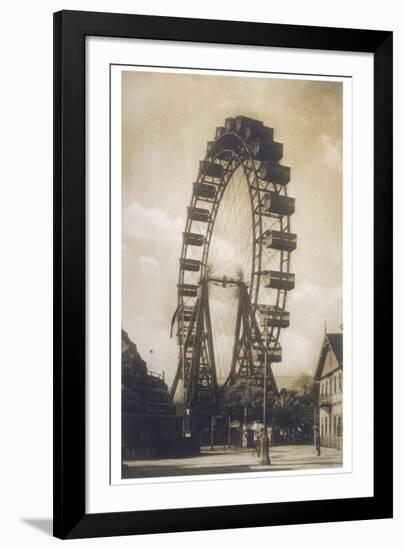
x=223, y=274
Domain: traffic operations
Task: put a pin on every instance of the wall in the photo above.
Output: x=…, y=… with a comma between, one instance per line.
x=26, y=263
x=330, y=436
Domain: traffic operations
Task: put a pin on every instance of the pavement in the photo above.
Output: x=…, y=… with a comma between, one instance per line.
x=238, y=460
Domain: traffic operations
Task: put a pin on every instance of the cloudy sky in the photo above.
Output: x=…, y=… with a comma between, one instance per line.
x=167, y=120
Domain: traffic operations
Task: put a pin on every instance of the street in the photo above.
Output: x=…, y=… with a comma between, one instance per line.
x=238, y=460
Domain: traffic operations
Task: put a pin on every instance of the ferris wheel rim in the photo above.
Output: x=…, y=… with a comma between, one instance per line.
x=244, y=159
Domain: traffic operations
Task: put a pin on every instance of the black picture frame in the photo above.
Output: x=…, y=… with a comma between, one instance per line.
x=70, y=31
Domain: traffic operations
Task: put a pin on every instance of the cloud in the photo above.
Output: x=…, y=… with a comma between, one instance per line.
x=141, y=223
x=331, y=152
x=299, y=353
x=304, y=290
x=149, y=261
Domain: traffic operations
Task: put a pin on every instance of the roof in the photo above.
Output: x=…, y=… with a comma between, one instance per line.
x=335, y=343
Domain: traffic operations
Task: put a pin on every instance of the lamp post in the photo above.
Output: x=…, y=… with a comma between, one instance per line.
x=317, y=430
x=212, y=433
x=264, y=455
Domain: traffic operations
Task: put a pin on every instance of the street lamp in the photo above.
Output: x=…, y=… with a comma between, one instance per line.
x=264, y=454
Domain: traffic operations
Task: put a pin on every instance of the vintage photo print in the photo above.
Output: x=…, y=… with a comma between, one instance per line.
x=231, y=273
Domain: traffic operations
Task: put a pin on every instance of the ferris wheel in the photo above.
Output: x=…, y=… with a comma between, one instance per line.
x=235, y=264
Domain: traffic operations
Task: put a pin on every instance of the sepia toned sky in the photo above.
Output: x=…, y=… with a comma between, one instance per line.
x=167, y=120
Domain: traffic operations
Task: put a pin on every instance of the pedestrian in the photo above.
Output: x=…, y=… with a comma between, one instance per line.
x=317, y=441
x=259, y=438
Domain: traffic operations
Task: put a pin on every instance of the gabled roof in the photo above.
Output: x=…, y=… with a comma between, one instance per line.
x=336, y=342
x=332, y=342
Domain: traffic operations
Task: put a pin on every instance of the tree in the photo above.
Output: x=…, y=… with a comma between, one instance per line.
x=293, y=411
x=304, y=385
x=245, y=398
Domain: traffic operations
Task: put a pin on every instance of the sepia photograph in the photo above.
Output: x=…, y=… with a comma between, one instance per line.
x=231, y=273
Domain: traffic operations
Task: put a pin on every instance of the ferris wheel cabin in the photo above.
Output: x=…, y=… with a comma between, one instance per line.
x=279, y=280
x=278, y=204
x=275, y=317
x=275, y=173
x=274, y=354
x=211, y=169
x=186, y=313
x=189, y=265
x=193, y=239
x=205, y=190
x=280, y=240
x=198, y=214
x=187, y=290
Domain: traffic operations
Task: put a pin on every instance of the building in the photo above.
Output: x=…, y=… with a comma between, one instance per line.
x=150, y=426
x=329, y=392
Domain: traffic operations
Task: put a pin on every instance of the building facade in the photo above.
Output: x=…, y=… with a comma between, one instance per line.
x=329, y=392
x=151, y=427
